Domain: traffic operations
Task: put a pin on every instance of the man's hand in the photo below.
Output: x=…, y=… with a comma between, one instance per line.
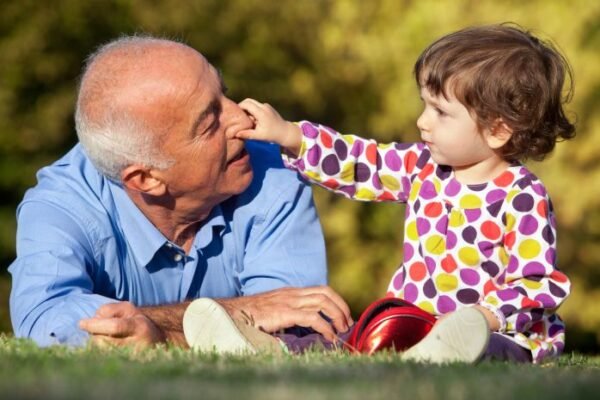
x=287, y=307
x=122, y=324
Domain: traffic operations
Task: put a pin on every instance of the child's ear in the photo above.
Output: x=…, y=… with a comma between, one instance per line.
x=499, y=134
x=143, y=179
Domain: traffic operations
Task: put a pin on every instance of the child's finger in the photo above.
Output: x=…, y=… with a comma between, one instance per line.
x=246, y=134
x=252, y=107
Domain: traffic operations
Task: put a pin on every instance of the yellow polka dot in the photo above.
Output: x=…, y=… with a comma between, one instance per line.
x=438, y=185
x=426, y=306
x=456, y=219
x=365, y=194
x=469, y=256
x=347, y=174
x=414, y=190
x=411, y=231
x=470, y=201
x=348, y=139
x=314, y=176
x=491, y=300
x=389, y=182
x=510, y=195
x=446, y=282
x=531, y=284
x=529, y=249
x=503, y=255
x=435, y=244
x=384, y=145
x=510, y=222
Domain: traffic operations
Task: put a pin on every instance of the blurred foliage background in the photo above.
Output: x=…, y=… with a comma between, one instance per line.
x=343, y=63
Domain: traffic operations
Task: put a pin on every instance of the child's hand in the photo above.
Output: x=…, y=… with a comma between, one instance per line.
x=270, y=127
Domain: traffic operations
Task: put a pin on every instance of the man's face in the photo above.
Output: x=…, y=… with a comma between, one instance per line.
x=200, y=122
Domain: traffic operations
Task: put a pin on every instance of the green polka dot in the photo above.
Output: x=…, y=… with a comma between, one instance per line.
x=469, y=256
x=389, y=182
x=446, y=282
x=529, y=249
x=435, y=244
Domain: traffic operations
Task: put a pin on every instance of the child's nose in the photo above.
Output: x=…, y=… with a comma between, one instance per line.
x=421, y=122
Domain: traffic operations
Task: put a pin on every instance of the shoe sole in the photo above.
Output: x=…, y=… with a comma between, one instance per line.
x=209, y=328
x=462, y=336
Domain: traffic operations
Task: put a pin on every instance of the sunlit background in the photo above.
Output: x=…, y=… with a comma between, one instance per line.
x=343, y=63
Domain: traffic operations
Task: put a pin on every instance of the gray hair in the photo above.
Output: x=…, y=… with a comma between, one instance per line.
x=114, y=138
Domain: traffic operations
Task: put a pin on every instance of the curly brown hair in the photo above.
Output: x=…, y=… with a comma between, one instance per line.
x=503, y=71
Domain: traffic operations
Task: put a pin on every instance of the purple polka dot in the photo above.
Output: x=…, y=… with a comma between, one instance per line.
x=357, y=148
x=495, y=195
x=393, y=161
x=376, y=182
x=522, y=321
x=513, y=264
x=300, y=165
x=445, y=304
x=555, y=330
x=423, y=159
x=442, y=225
x=362, y=172
x=551, y=256
x=539, y=189
x=402, y=145
x=423, y=226
x=410, y=292
x=330, y=165
x=398, y=280
x=429, y=289
x=406, y=186
x=523, y=202
x=501, y=278
x=534, y=268
x=341, y=149
x=507, y=309
x=556, y=290
x=427, y=191
x=490, y=267
x=494, y=208
x=468, y=296
x=443, y=172
x=546, y=300
x=313, y=155
x=472, y=214
x=417, y=205
x=408, y=251
x=452, y=188
x=469, y=276
x=507, y=294
x=477, y=187
x=430, y=264
x=451, y=240
x=528, y=225
x=309, y=131
x=486, y=248
x=536, y=314
x=469, y=234
x=548, y=235
x=350, y=190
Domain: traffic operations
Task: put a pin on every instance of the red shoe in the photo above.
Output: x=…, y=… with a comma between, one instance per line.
x=389, y=323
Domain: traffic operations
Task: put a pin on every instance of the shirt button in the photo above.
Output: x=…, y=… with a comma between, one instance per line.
x=177, y=257
x=169, y=245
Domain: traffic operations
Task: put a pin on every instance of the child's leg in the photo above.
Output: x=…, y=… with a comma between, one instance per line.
x=501, y=348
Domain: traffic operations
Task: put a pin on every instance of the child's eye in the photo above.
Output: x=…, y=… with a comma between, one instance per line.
x=440, y=112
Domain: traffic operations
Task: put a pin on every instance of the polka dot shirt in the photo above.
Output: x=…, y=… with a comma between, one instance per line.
x=491, y=244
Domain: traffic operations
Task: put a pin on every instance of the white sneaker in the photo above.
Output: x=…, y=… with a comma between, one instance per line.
x=462, y=336
x=209, y=328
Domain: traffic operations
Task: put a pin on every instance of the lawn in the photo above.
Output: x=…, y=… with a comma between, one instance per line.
x=163, y=373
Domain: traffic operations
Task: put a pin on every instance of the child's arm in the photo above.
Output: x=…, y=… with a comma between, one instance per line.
x=270, y=127
x=349, y=165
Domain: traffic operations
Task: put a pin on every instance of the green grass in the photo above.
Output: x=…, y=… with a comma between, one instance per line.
x=61, y=373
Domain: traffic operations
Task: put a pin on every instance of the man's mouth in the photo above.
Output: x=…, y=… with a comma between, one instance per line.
x=242, y=154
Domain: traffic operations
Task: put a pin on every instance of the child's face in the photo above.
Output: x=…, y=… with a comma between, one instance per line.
x=451, y=132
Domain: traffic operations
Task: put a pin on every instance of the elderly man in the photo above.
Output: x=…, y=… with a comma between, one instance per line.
x=160, y=204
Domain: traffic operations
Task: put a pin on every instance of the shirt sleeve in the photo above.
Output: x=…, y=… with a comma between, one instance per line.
x=51, y=285
x=358, y=168
x=528, y=288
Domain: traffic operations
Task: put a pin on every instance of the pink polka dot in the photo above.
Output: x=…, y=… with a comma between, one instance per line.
x=445, y=304
x=411, y=292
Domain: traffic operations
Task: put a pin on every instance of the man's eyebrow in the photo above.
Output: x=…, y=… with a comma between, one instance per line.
x=222, y=81
x=212, y=107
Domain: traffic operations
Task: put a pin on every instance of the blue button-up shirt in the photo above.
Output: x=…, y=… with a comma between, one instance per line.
x=81, y=243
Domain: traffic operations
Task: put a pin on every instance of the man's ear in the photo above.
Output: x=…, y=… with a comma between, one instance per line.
x=143, y=179
x=499, y=134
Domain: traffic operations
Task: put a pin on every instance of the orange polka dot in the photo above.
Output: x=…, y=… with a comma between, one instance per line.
x=386, y=196
x=505, y=179
x=489, y=287
x=326, y=139
x=425, y=172
x=509, y=239
x=559, y=276
x=448, y=264
x=330, y=183
x=410, y=160
x=490, y=230
x=542, y=208
x=372, y=153
x=433, y=209
x=417, y=271
x=528, y=303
